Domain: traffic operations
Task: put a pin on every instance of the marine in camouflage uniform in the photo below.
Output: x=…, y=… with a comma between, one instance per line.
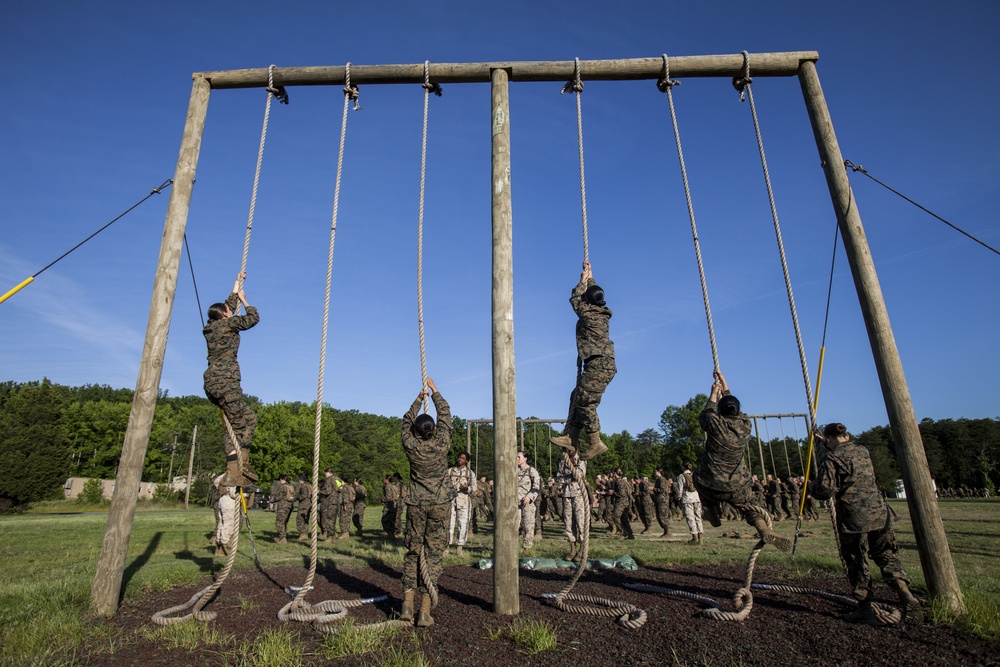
x=529, y=484
x=347, y=496
x=864, y=522
x=303, y=496
x=722, y=475
x=773, y=497
x=390, y=502
x=463, y=481
x=620, y=514
x=360, y=494
x=575, y=500
x=595, y=367
x=401, y=503
x=687, y=495
x=661, y=499
x=428, y=499
x=283, y=507
x=328, y=506
x=222, y=379
x=646, y=510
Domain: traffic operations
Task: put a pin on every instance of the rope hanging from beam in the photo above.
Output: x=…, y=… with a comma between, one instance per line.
x=666, y=85
x=428, y=89
x=575, y=85
x=742, y=85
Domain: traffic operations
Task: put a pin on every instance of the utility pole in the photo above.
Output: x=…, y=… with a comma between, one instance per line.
x=187, y=492
x=173, y=450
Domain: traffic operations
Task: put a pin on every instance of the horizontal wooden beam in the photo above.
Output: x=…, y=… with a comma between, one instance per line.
x=761, y=64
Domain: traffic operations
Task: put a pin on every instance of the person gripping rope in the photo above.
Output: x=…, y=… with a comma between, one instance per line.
x=222, y=379
x=722, y=475
x=595, y=364
x=428, y=499
x=864, y=522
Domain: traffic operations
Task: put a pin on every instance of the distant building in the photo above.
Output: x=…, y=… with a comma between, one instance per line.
x=74, y=486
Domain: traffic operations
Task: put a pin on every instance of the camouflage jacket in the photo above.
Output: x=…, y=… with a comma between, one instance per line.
x=328, y=487
x=390, y=494
x=303, y=493
x=661, y=490
x=429, y=483
x=722, y=467
x=623, y=491
x=570, y=487
x=847, y=476
x=529, y=483
x=286, y=493
x=592, y=336
x=223, y=338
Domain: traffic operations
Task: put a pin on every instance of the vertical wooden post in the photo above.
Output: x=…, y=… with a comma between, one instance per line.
x=505, y=544
x=763, y=470
x=932, y=543
x=106, y=590
x=187, y=493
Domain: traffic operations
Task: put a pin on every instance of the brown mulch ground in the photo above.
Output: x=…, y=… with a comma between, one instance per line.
x=783, y=629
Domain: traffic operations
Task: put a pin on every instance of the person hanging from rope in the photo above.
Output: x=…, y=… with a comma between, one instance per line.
x=428, y=500
x=722, y=475
x=595, y=363
x=222, y=379
x=864, y=522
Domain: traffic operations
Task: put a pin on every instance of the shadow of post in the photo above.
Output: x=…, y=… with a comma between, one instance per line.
x=138, y=563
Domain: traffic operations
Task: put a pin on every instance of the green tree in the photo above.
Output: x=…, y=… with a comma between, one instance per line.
x=92, y=492
x=683, y=439
x=34, y=449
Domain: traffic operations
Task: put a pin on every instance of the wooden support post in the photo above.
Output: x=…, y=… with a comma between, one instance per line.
x=106, y=590
x=505, y=544
x=187, y=493
x=932, y=543
x=760, y=447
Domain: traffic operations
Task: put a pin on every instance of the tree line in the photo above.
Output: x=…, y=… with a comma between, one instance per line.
x=50, y=432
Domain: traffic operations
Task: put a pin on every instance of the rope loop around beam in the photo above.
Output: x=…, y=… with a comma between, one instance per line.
x=279, y=92
x=574, y=85
x=741, y=82
x=666, y=83
x=350, y=89
x=428, y=86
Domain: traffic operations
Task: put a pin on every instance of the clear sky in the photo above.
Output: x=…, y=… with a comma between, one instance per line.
x=95, y=105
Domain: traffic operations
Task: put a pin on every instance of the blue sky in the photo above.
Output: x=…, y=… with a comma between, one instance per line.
x=96, y=103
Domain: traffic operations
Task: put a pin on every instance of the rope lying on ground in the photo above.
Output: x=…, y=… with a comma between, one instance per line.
x=201, y=598
x=628, y=615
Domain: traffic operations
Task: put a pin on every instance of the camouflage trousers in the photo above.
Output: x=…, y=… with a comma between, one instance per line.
x=738, y=492
x=526, y=519
x=282, y=510
x=663, y=512
x=346, y=510
x=574, y=514
x=227, y=520
x=227, y=395
x=389, y=518
x=591, y=382
x=647, y=512
x=461, y=509
x=425, y=529
x=302, y=518
x=692, y=514
x=621, y=517
x=881, y=547
x=358, y=517
x=328, y=512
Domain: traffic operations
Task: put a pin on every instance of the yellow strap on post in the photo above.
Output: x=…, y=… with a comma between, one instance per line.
x=17, y=289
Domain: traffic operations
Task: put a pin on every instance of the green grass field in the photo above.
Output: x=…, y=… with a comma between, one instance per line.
x=49, y=558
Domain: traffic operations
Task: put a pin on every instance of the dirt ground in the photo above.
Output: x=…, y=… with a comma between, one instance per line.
x=783, y=629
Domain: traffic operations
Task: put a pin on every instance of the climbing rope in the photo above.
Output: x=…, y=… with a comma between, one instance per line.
x=666, y=85
x=628, y=615
x=742, y=599
x=279, y=93
x=742, y=85
x=576, y=85
x=322, y=615
x=428, y=89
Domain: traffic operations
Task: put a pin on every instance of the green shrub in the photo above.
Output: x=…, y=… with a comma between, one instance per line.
x=92, y=492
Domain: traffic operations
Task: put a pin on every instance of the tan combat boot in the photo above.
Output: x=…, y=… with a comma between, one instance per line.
x=281, y=540
x=572, y=552
x=406, y=612
x=666, y=532
x=699, y=537
x=694, y=538
x=568, y=440
x=907, y=601
x=771, y=537
x=458, y=550
x=303, y=537
x=596, y=446
x=863, y=614
x=233, y=475
x=424, y=619
x=245, y=469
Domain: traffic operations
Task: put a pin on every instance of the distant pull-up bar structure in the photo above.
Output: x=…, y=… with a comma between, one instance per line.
x=932, y=544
